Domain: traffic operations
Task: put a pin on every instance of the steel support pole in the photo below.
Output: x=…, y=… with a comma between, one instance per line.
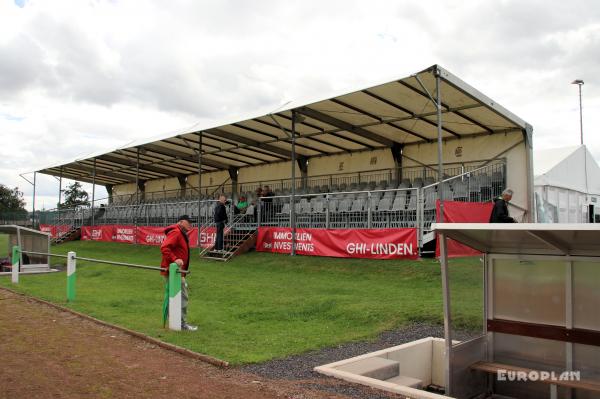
x=93, y=191
x=20, y=244
x=200, y=167
x=440, y=142
x=258, y=211
x=33, y=205
x=447, y=314
x=418, y=219
x=59, y=195
x=199, y=182
x=530, y=215
x=293, y=198
x=137, y=177
x=327, y=216
x=569, y=320
x=580, y=115
x=369, y=211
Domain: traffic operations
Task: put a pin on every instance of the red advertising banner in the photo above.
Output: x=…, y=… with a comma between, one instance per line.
x=143, y=235
x=341, y=243
x=207, y=235
x=146, y=235
x=125, y=234
x=54, y=230
x=97, y=233
x=462, y=212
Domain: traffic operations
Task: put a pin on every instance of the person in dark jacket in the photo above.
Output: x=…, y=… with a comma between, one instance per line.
x=176, y=249
x=267, y=202
x=257, y=203
x=500, y=210
x=220, y=221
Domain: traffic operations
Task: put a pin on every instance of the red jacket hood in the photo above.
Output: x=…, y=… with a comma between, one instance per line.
x=171, y=227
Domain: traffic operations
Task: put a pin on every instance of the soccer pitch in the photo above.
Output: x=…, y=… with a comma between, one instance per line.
x=262, y=306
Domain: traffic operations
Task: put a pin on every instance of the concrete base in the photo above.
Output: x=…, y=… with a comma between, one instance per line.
x=403, y=369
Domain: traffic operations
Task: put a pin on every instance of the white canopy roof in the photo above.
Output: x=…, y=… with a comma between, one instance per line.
x=572, y=168
x=525, y=238
x=399, y=112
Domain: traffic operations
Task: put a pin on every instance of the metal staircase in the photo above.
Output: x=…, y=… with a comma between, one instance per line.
x=239, y=237
x=74, y=233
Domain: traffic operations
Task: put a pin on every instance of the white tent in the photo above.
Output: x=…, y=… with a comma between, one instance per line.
x=567, y=185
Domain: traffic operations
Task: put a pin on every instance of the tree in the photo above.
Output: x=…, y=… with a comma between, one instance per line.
x=74, y=196
x=11, y=200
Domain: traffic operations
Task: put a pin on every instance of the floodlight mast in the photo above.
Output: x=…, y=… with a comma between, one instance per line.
x=580, y=83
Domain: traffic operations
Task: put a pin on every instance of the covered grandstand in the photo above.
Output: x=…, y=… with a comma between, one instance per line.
x=378, y=157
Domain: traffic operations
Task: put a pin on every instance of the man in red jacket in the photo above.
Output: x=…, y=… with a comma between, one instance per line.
x=176, y=249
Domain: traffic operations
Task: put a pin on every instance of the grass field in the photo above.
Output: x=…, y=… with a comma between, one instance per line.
x=262, y=306
x=3, y=244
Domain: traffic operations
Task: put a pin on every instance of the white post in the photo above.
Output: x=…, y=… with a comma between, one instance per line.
x=16, y=258
x=174, y=298
x=71, y=269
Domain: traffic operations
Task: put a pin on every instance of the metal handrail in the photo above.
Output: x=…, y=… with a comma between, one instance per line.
x=457, y=176
x=109, y=262
x=342, y=192
x=234, y=220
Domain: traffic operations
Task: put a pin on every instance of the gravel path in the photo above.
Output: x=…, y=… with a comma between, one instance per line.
x=300, y=367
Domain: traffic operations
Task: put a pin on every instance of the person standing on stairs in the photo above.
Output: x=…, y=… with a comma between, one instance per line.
x=220, y=222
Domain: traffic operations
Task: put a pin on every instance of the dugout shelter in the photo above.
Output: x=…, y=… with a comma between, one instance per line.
x=540, y=312
x=28, y=240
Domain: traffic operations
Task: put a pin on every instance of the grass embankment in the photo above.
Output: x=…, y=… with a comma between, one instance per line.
x=262, y=306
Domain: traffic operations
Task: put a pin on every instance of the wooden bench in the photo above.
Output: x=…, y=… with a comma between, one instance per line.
x=494, y=368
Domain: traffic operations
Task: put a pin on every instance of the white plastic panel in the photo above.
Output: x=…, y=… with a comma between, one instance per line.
x=529, y=291
x=586, y=298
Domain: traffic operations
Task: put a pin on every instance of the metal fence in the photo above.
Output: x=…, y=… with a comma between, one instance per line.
x=65, y=217
x=371, y=204
x=189, y=193
x=412, y=176
x=20, y=218
x=479, y=185
x=341, y=210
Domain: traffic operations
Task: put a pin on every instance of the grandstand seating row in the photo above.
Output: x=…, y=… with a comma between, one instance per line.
x=388, y=203
x=475, y=183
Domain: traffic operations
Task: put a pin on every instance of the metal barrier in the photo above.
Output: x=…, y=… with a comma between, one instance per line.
x=478, y=185
x=171, y=304
x=14, y=217
x=393, y=208
x=240, y=227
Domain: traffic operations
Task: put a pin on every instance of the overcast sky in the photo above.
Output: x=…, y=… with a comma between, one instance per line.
x=79, y=76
